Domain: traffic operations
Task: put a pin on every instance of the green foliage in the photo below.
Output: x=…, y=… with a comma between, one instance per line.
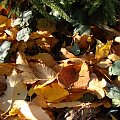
x=113, y=93
x=83, y=11
x=4, y=50
x=115, y=68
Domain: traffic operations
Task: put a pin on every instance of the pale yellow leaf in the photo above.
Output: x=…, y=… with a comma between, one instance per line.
x=105, y=63
x=16, y=90
x=113, y=57
x=117, y=39
x=29, y=112
x=97, y=86
x=25, y=71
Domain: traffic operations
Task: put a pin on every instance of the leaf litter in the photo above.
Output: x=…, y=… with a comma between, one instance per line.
x=48, y=75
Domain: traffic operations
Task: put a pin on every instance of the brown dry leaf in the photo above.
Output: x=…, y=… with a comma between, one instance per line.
x=6, y=68
x=102, y=50
x=12, y=33
x=68, y=75
x=29, y=112
x=45, y=58
x=116, y=49
x=104, y=102
x=16, y=90
x=39, y=101
x=97, y=86
x=3, y=85
x=39, y=34
x=82, y=40
x=3, y=20
x=42, y=72
x=83, y=79
x=26, y=72
x=47, y=43
x=51, y=92
x=46, y=25
x=117, y=81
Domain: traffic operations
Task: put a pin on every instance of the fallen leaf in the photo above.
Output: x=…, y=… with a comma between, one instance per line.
x=47, y=43
x=113, y=57
x=97, y=86
x=46, y=25
x=3, y=36
x=6, y=68
x=67, y=76
x=83, y=79
x=66, y=53
x=29, y=112
x=3, y=85
x=82, y=40
x=42, y=72
x=51, y=92
x=16, y=90
x=39, y=101
x=115, y=50
x=75, y=49
x=26, y=72
x=4, y=50
x=115, y=68
x=102, y=50
x=45, y=58
x=113, y=93
x=78, y=104
x=12, y=33
x=117, y=39
x=105, y=63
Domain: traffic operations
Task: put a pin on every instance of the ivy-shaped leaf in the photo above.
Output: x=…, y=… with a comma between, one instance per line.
x=4, y=50
x=23, y=34
x=115, y=68
x=113, y=93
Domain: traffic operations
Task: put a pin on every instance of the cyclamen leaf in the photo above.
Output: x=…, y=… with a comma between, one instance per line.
x=115, y=68
x=113, y=93
x=75, y=49
x=4, y=50
x=23, y=34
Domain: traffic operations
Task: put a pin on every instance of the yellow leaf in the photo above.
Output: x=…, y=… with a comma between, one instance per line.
x=3, y=19
x=102, y=50
x=97, y=86
x=51, y=92
x=113, y=118
x=3, y=36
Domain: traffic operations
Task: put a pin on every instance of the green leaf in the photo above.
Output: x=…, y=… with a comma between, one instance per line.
x=23, y=34
x=4, y=50
x=115, y=68
x=23, y=19
x=113, y=93
x=82, y=29
x=75, y=49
